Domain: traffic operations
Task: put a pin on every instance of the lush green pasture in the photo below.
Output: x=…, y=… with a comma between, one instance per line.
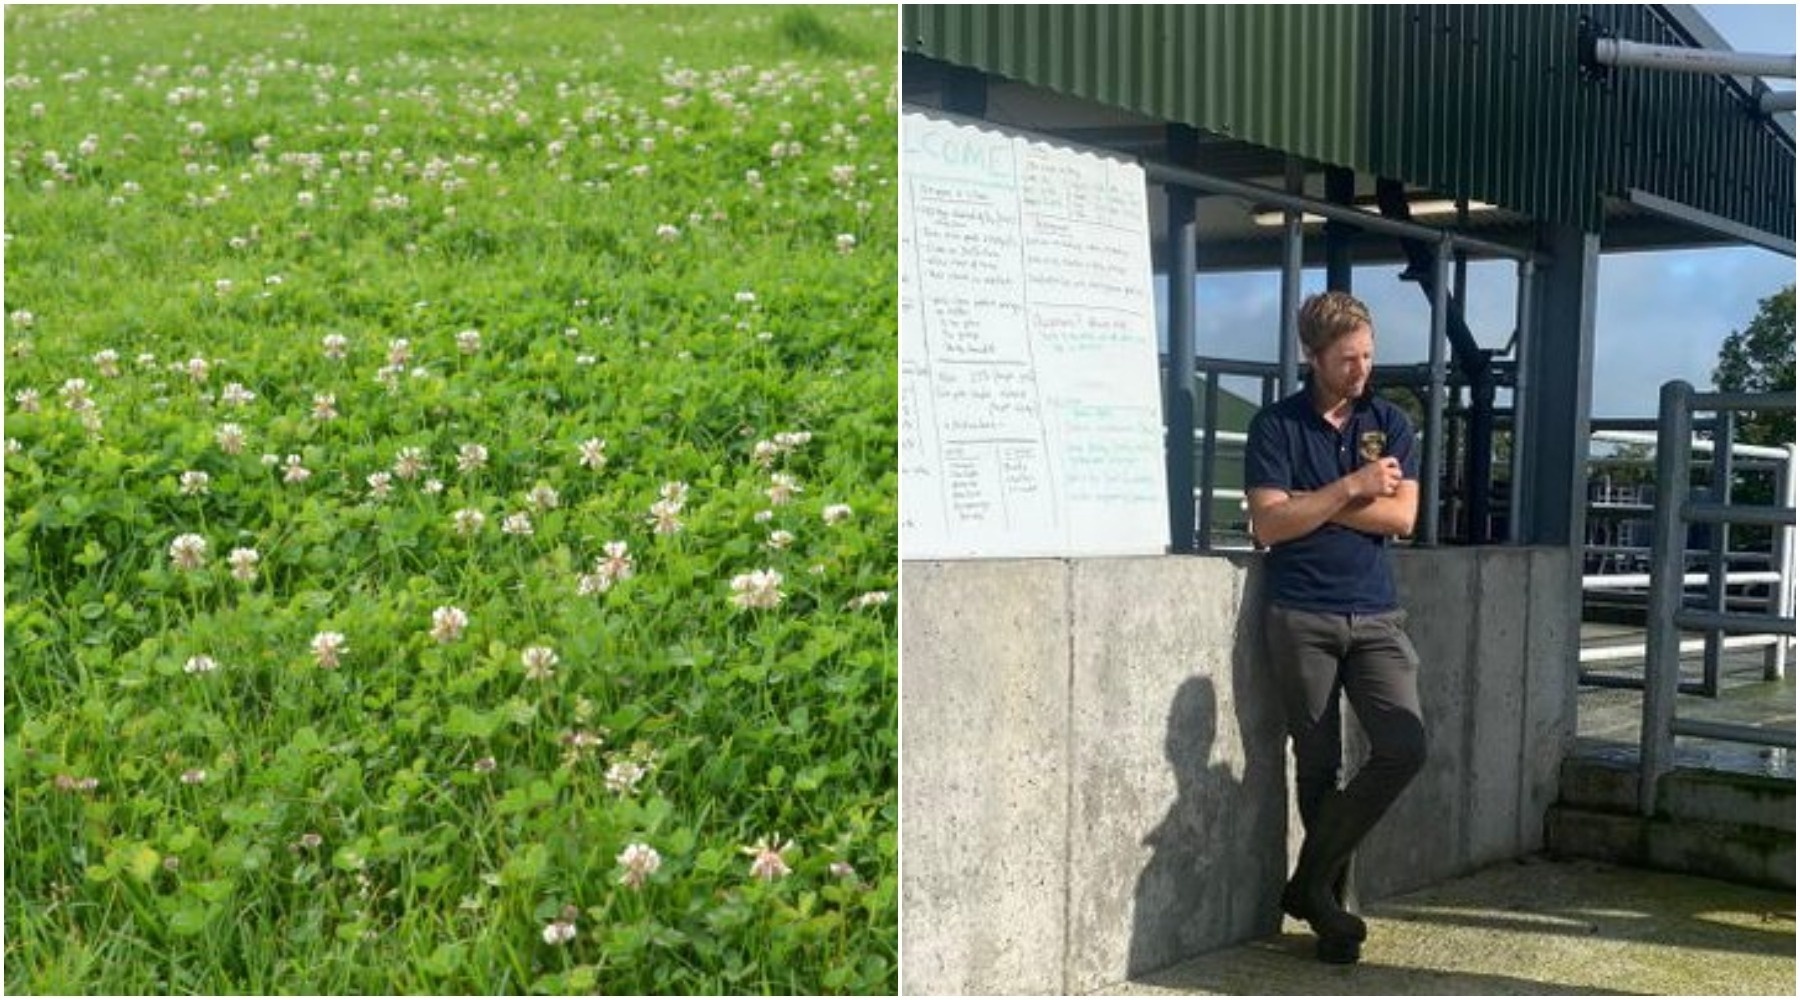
x=450, y=500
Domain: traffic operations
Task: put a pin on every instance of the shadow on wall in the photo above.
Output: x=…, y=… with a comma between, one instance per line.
x=1220, y=854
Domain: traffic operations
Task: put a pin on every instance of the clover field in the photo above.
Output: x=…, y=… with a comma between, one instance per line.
x=450, y=500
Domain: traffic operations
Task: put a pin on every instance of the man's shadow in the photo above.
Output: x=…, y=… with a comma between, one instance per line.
x=1220, y=854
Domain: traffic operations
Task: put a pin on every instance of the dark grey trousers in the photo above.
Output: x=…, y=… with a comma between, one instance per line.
x=1370, y=659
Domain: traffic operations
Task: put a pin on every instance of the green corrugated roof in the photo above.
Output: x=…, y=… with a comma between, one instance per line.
x=1480, y=101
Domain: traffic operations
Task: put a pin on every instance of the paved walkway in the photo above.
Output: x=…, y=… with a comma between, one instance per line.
x=1529, y=927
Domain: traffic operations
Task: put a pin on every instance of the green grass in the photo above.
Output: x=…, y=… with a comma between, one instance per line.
x=672, y=229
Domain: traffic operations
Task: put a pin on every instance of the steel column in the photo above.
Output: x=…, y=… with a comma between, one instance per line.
x=1518, y=513
x=1432, y=473
x=1662, y=648
x=1183, y=264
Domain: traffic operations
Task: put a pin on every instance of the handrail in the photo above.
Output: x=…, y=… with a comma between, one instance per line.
x=1668, y=614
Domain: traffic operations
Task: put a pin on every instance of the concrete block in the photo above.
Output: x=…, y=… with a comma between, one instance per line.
x=1178, y=793
x=1497, y=686
x=1421, y=839
x=1552, y=651
x=984, y=778
x=1714, y=850
x=1722, y=797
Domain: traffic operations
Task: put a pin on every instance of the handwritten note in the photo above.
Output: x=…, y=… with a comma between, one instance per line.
x=1030, y=416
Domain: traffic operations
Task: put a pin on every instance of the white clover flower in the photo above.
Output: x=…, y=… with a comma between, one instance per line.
x=29, y=402
x=746, y=297
x=559, y=932
x=336, y=345
x=758, y=589
x=539, y=661
x=236, y=395
x=108, y=363
x=593, y=453
x=616, y=565
x=790, y=440
x=188, y=552
x=779, y=539
x=667, y=233
x=544, y=498
x=764, y=453
x=399, y=352
x=409, y=463
x=640, y=861
x=846, y=242
x=468, y=341
x=324, y=406
x=75, y=394
x=664, y=519
x=195, y=483
x=468, y=521
x=243, y=564
x=872, y=599
x=197, y=369
x=433, y=487
x=675, y=493
x=295, y=472
x=471, y=457
x=517, y=524
x=193, y=776
x=199, y=665
x=447, y=624
x=380, y=485
x=230, y=438
x=782, y=488
x=766, y=858
x=622, y=776
x=836, y=513
x=328, y=647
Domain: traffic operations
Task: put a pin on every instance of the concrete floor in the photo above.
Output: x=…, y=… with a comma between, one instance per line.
x=1615, y=716
x=1528, y=927
x=1538, y=926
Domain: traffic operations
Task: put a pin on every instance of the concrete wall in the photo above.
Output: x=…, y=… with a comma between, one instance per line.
x=1094, y=773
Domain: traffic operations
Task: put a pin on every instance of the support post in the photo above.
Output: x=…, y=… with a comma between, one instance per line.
x=1782, y=561
x=1718, y=544
x=1518, y=514
x=1293, y=260
x=1340, y=189
x=1560, y=374
x=1432, y=473
x=1662, y=648
x=1182, y=257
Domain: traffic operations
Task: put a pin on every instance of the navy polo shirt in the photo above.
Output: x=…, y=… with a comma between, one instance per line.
x=1335, y=569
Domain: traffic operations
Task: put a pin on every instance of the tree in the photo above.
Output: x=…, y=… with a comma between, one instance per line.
x=1760, y=358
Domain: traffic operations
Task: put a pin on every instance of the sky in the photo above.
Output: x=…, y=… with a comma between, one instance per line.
x=1658, y=316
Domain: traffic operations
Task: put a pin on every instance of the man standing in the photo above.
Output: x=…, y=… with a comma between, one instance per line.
x=1332, y=474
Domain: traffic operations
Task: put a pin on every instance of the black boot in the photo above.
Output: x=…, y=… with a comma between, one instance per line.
x=1313, y=894
x=1309, y=897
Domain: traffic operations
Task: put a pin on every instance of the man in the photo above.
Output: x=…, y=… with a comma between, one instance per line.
x=1332, y=474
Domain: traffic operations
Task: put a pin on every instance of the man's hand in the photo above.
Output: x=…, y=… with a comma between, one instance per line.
x=1380, y=478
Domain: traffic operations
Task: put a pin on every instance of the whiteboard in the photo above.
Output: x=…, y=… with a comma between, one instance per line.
x=1030, y=411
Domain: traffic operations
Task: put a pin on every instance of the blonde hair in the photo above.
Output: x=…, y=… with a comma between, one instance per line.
x=1329, y=315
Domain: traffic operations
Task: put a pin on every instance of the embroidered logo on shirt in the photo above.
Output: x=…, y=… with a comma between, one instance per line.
x=1371, y=444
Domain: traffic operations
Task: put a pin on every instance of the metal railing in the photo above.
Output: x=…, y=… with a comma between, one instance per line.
x=1616, y=576
x=1669, y=613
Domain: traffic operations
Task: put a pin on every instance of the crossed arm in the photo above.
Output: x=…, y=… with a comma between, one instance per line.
x=1355, y=501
